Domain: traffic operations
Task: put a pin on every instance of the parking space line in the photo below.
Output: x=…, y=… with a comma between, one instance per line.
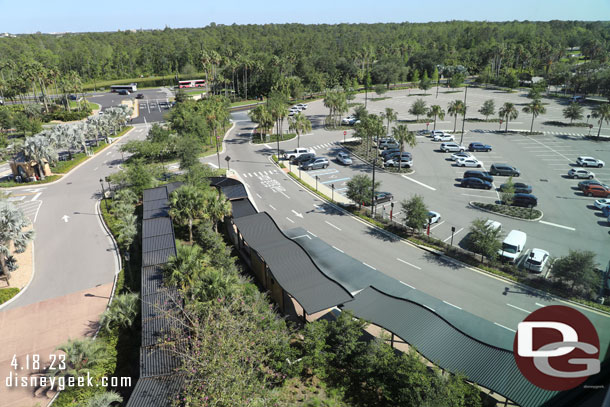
x=456, y=232
x=408, y=264
x=420, y=183
x=335, y=180
x=435, y=226
x=556, y=225
x=540, y=305
x=321, y=172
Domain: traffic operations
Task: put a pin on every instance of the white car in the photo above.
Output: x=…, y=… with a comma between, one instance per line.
x=405, y=162
x=289, y=155
x=589, y=162
x=468, y=162
x=344, y=158
x=536, y=261
x=492, y=224
x=302, y=106
x=434, y=217
x=463, y=154
x=602, y=203
x=349, y=120
x=452, y=146
x=443, y=137
x=578, y=173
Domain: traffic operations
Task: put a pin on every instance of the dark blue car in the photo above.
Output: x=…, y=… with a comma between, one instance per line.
x=475, y=183
x=476, y=146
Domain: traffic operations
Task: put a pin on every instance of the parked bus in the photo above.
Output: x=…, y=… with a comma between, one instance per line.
x=193, y=83
x=130, y=88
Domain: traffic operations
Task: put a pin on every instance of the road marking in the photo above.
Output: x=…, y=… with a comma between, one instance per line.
x=249, y=174
x=540, y=305
x=332, y=225
x=297, y=237
x=65, y=218
x=502, y=326
x=311, y=234
x=213, y=165
x=458, y=231
x=257, y=194
x=95, y=169
x=556, y=225
x=300, y=215
x=368, y=265
x=289, y=219
x=109, y=152
x=335, y=180
x=265, y=172
x=431, y=227
x=420, y=183
x=408, y=264
x=35, y=197
x=408, y=285
x=267, y=145
x=520, y=309
x=337, y=249
x=284, y=194
x=448, y=303
x=431, y=309
x=271, y=206
x=321, y=172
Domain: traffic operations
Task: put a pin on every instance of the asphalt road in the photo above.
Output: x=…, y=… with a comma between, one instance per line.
x=291, y=205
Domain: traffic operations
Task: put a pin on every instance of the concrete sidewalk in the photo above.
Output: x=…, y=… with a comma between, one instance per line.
x=37, y=329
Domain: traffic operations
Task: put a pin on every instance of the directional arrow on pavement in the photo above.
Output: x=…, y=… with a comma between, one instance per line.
x=65, y=218
x=296, y=213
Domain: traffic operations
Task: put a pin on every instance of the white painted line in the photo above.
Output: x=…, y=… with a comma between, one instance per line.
x=271, y=206
x=249, y=174
x=332, y=225
x=458, y=231
x=298, y=237
x=284, y=194
x=420, y=183
x=289, y=219
x=213, y=165
x=109, y=152
x=369, y=266
x=337, y=249
x=408, y=264
x=265, y=172
x=448, y=303
x=257, y=194
x=95, y=169
x=311, y=234
x=408, y=285
x=431, y=309
x=540, y=305
x=431, y=227
x=556, y=225
x=35, y=197
x=520, y=309
x=267, y=145
x=502, y=326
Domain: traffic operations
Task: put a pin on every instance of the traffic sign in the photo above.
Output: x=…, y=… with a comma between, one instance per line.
x=345, y=132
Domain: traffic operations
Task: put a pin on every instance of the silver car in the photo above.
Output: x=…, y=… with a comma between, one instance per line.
x=579, y=173
x=344, y=158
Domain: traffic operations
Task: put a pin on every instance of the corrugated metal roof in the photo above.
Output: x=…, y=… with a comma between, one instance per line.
x=154, y=194
x=446, y=346
x=156, y=204
x=294, y=270
x=157, y=256
x=156, y=330
x=172, y=186
x=152, y=280
x=157, y=361
x=234, y=192
x=155, y=213
x=155, y=391
x=242, y=207
x=156, y=304
x=156, y=227
x=157, y=243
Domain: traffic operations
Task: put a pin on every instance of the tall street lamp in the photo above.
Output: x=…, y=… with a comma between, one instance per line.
x=104, y=194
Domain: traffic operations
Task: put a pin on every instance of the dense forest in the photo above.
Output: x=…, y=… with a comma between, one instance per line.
x=252, y=59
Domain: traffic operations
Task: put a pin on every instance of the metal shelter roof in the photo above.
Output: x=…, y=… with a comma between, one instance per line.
x=291, y=266
x=440, y=342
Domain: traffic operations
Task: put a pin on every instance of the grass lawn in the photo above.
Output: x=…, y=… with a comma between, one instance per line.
x=7, y=293
x=515, y=211
x=256, y=138
x=244, y=102
x=74, y=105
x=9, y=184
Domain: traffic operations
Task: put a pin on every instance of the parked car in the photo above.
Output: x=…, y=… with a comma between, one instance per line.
x=525, y=200
x=468, y=162
x=476, y=146
x=303, y=158
x=405, y=162
x=475, y=183
x=602, y=203
x=123, y=92
x=296, y=107
x=384, y=145
x=478, y=174
x=385, y=153
x=537, y=260
x=394, y=155
x=1, y=102
x=73, y=97
x=577, y=99
x=302, y=106
x=381, y=197
x=583, y=184
x=504, y=169
x=452, y=146
x=520, y=188
x=492, y=224
x=434, y=217
x=589, y=162
x=513, y=245
x=349, y=120
x=596, y=190
x=443, y=137
x=288, y=155
x=578, y=173
x=463, y=154
x=315, y=163
x=344, y=158
x=140, y=96
x=423, y=132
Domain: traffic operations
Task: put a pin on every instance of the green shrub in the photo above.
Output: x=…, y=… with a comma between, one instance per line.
x=7, y=293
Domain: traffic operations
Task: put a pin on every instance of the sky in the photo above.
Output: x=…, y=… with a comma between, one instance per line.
x=47, y=16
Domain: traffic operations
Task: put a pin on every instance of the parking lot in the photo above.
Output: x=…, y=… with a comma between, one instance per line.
x=570, y=220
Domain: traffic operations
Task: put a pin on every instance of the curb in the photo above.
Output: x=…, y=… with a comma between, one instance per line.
x=471, y=204
x=29, y=282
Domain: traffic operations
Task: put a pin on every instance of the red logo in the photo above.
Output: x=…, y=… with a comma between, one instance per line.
x=557, y=348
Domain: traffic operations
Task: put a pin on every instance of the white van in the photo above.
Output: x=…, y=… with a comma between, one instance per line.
x=513, y=245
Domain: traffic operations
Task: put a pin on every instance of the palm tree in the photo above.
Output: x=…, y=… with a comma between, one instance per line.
x=216, y=207
x=390, y=115
x=122, y=312
x=261, y=115
x=186, y=205
x=38, y=148
x=455, y=109
x=182, y=270
x=601, y=112
x=105, y=399
x=330, y=101
x=214, y=283
x=536, y=108
x=278, y=110
x=299, y=124
x=12, y=236
x=573, y=112
x=82, y=355
x=402, y=134
x=508, y=111
x=435, y=111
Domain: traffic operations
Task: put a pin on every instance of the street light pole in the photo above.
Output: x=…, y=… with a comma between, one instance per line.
x=317, y=183
x=452, y=232
x=373, y=190
x=104, y=194
x=333, y=193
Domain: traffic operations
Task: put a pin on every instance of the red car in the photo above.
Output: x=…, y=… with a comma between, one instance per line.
x=596, y=190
